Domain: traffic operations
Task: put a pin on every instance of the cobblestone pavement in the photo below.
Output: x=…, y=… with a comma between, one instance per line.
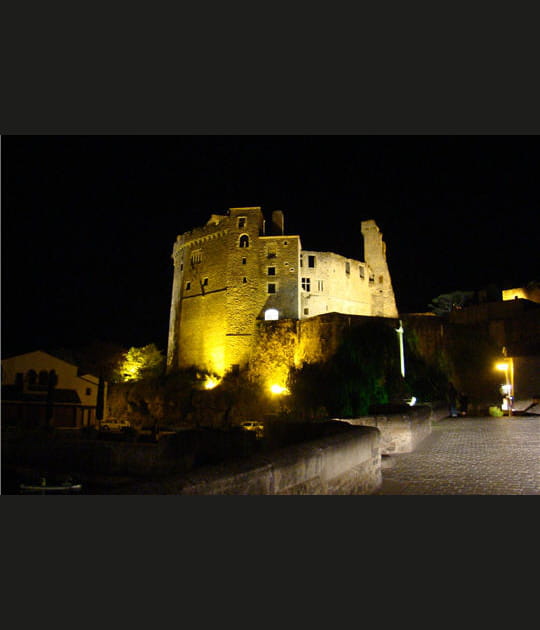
x=470, y=456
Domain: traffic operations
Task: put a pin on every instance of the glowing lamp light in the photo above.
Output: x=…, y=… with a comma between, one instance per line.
x=210, y=383
x=501, y=366
x=278, y=389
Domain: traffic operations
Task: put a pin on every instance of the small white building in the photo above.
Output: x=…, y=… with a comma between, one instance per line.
x=37, y=386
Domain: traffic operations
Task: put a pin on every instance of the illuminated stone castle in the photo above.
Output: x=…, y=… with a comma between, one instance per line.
x=240, y=270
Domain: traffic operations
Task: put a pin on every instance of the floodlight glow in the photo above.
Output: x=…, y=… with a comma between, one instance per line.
x=501, y=366
x=277, y=389
x=210, y=383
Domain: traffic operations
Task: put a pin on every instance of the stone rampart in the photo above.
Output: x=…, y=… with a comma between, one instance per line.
x=401, y=432
x=346, y=463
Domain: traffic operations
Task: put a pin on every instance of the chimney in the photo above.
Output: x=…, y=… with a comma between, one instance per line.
x=278, y=222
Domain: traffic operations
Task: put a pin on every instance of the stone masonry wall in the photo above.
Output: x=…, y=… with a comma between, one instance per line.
x=400, y=432
x=343, y=464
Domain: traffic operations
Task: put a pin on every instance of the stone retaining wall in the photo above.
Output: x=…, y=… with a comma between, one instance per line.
x=400, y=432
x=346, y=463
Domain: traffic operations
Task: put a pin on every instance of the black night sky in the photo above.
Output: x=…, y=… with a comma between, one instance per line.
x=88, y=222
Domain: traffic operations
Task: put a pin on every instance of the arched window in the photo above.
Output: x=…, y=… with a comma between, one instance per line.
x=271, y=314
x=43, y=377
x=31, y=377
x=244, y=241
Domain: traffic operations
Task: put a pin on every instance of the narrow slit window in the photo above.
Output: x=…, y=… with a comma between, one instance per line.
x=272, y=287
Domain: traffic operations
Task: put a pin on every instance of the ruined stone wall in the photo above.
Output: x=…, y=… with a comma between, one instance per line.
x=336, y=284
x=383, y=300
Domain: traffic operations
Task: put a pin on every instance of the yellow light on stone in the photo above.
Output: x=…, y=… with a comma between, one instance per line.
x=278, y=389
x=210, y=383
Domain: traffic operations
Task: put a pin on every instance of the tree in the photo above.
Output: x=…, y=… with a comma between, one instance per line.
x=140, y=363
x=447, y=302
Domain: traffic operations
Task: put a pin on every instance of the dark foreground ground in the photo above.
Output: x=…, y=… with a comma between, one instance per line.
x=487, y=455
x=473, y=455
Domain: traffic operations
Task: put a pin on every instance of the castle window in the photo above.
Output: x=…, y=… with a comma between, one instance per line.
x=188, y=286
x=271, y=314
x=320, y=285
x=181, y=266
x=271, y=287
x=361, y=270
x=306, y=311
x=244, y=279
x=347, y=267
x=371, y=278
x=380, y=279
x=244, y=241
x=196, y=257
x=241, y=222
x=244, y=260
x=311, y=261
x=205, y=282
x=285, y=243
x=271, y=271
x=306, y=284
x=88, y=391
x=271, y=250
x=31, y=377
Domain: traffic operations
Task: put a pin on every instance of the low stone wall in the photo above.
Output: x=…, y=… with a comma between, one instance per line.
x=401, y=432
x=346, y=463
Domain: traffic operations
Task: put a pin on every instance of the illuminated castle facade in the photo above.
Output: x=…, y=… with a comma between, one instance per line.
x=239, y=270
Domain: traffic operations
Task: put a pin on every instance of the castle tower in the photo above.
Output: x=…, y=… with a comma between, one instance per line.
x=383, y=300
x=227, y=275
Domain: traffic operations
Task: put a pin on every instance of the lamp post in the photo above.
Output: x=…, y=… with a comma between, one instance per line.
x=507, y=366
x=400, y=332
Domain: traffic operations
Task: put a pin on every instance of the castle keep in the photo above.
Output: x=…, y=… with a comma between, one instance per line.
x=240, y=270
